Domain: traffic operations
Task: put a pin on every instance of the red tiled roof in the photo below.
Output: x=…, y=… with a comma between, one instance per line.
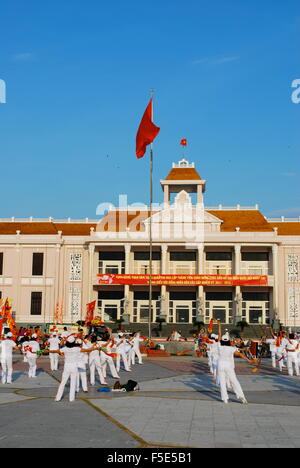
x=287, y=229
x=119, y=221
x=183, y=173
x=46, y=228
x=246, y=220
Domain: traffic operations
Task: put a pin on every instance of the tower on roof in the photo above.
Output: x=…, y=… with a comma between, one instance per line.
x=183, y=176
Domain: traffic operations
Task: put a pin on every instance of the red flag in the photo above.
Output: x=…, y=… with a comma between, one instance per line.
x=183, y=142
x=147, y=132
x=90, y=309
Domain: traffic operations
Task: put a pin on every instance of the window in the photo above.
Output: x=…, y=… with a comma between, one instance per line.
x=183, y=256
x=219, y=296
x=145, y=255
x=255, y=256
x=223, y=256
x=1, y=263
x=182, y=296
x=102, y=295
x=144, y=295
x=36, y=303
x=256, y=296
x=37, y=264
x=107, y=255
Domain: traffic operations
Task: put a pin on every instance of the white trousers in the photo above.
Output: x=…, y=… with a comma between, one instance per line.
x=104, y=359
x=7, y=369
x=135, y=351
x=54, y=362
x=70, y=372
x=32, y=366
x=227, y=375
x=95, y=364
x=292, y=363
x=122, y=355
x=81, y=376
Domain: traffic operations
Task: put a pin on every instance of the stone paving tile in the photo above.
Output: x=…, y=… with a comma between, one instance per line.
x=21, y=380
x=45, y=424
x=11, y=398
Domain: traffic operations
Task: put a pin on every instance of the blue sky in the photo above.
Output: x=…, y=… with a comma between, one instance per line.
x=78, y=75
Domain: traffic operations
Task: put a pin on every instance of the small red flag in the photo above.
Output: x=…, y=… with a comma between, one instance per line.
x=90, y=309
x=183, y=142
x=147, y=132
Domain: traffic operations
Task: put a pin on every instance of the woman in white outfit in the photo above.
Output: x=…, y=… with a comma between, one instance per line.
x=31, y=350
x=94, y=361
x=71, y=352
x=135, y=348
x=226, y=368
x=291, y=347
x=7, y=347
x=53, y=344
x=106, y=359
x=81, y=375
x=121, y=350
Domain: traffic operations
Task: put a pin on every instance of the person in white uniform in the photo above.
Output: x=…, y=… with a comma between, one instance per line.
x=7, y=347
x=71, y=352
x=53, y=344
x=31, y=349
x=81, y=375
x=226, y=368
x=135, y=351
x=95, y=362
x=121, y=350
x=106, y=359
x=291, y=347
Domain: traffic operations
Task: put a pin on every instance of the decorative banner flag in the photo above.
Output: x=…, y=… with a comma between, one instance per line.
x=6, y=317
x=90, y=309
x=147, y=132
x=211, y=325
x=183, y=142
x=56, y=312
x=61, y=314
x=184, y=280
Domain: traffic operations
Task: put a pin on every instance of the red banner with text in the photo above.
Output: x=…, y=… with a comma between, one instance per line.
x=185, y=280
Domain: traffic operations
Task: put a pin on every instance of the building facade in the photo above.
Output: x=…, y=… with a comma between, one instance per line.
x=45, y=261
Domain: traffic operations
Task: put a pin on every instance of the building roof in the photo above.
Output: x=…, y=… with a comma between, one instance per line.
x=287, y=229
x=120, y=221
x=246, y=220
x=46, y=228
x=183, y=173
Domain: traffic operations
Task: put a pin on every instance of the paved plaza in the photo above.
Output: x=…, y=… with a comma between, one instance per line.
x=177, y=406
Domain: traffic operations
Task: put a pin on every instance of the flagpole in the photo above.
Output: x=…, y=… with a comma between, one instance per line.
x=150, y=230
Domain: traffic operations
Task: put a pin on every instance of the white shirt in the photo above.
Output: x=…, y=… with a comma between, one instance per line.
x=7, y=347
x=226, y=354
x=272, y=343
x=72, y=356
x=54, y=344
x=31, y=349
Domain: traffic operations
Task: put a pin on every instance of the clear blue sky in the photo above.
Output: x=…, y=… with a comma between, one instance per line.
x=78, y=74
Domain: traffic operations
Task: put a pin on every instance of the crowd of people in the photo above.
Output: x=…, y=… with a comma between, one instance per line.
x=98, y=353
x=79, y=352
x=221, y=349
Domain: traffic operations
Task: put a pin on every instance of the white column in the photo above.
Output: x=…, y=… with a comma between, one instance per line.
x=91, y=270
x=127, y=258
x=201, y=271
x=237, y=259
x=275, y=287
x=127, y=297
x=164, y=269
